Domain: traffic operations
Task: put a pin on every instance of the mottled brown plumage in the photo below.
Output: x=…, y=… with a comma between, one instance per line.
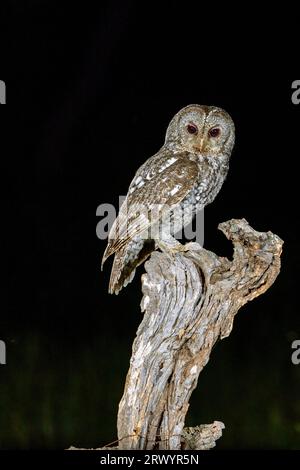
x=169, y=188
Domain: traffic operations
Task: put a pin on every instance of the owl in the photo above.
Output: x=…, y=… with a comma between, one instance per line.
x=169, y=188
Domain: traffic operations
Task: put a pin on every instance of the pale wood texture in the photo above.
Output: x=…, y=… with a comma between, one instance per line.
x=190, y=300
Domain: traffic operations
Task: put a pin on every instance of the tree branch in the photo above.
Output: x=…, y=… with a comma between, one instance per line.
x=190, y=300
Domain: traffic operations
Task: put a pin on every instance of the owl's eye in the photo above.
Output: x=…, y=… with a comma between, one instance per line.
x=214, y=132
x=192, y=129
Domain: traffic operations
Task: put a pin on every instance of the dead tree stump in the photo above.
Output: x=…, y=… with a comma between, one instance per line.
x=190, y=300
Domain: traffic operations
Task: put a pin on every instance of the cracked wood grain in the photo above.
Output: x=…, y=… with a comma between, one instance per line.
x=189, y=302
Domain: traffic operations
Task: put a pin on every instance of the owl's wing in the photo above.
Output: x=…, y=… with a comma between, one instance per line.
x=152, y=193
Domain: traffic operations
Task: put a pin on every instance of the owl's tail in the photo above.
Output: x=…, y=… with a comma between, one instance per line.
x=123, y=271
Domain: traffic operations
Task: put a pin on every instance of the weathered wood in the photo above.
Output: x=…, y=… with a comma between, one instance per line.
x=190, y=300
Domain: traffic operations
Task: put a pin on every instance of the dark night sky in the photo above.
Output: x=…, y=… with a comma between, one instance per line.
x=90, y=92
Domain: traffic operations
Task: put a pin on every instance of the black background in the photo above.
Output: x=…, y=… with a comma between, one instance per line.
x=90, y=92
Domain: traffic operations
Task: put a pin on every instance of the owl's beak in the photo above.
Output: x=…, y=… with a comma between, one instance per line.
x=200, y=145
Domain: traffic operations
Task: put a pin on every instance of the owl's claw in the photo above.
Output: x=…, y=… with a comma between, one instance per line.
x=192, y=246
x=176, y=247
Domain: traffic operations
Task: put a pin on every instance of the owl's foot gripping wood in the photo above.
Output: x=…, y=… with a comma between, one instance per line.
x=129, y=258
x=171, y=246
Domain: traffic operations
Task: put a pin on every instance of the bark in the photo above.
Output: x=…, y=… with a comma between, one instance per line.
x=190, y=301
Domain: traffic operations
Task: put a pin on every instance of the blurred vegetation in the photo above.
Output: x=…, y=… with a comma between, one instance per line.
x=56, y=393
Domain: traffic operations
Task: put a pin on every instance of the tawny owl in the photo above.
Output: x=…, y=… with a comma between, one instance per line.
x=169, y=188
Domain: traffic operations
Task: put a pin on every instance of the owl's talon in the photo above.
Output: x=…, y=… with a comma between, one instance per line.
x=172, y=248
x=193, y=246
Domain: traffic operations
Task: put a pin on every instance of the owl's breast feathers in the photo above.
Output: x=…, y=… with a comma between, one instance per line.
x=162, y=184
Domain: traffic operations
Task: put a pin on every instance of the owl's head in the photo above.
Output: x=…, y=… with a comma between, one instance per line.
x=204, y=129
